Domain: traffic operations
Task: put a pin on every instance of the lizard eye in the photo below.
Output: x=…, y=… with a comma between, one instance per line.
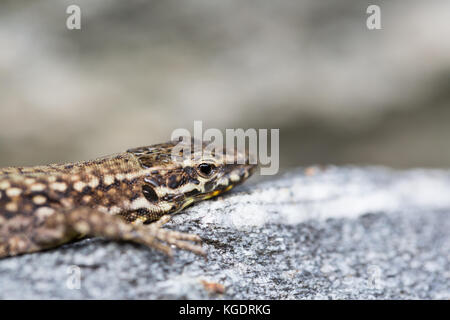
x=206, y=169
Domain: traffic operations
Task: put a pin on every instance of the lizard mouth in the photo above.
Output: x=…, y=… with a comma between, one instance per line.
x=203, y=196
x=230, y=178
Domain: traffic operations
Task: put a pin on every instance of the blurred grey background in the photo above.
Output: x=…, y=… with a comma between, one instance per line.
x=339, y=93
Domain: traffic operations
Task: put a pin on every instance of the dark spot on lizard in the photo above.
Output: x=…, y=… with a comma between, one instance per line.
x=192, y=193
x=191, y=172
x=142, y=212
x=173, y=182
x=172, y=197
x=135, y=196
x=151, y=182
x=209, y=185
x=86, y=190
x=3, y=197
x=194, y=181
x=131, y=182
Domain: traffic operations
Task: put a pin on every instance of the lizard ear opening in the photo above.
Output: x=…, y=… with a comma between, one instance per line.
x=149, y=193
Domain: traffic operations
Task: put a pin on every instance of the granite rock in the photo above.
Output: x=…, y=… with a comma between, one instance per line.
x=319, y=233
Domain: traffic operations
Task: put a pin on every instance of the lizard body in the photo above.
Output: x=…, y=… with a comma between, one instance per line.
x=121, y=197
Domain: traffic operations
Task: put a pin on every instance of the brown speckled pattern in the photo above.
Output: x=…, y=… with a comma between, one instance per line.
x=114, y=197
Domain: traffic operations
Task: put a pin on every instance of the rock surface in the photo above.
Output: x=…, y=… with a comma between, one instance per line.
x=338, y=233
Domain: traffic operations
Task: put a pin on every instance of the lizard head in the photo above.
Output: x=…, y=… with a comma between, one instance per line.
x=178, y=173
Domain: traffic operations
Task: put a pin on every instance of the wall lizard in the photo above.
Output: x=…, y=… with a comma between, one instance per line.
x=123, y=197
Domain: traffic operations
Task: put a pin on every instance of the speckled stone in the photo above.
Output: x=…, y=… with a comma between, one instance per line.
x=339, y=233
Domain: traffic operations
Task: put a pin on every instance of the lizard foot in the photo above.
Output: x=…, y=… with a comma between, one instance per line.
x=64, y=226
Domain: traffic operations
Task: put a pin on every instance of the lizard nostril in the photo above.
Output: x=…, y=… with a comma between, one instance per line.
x=149, y=193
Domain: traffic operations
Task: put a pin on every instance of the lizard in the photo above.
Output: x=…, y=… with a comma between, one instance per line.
x=127, y=196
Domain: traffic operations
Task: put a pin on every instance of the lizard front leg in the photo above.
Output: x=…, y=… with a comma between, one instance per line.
x=63, y=227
